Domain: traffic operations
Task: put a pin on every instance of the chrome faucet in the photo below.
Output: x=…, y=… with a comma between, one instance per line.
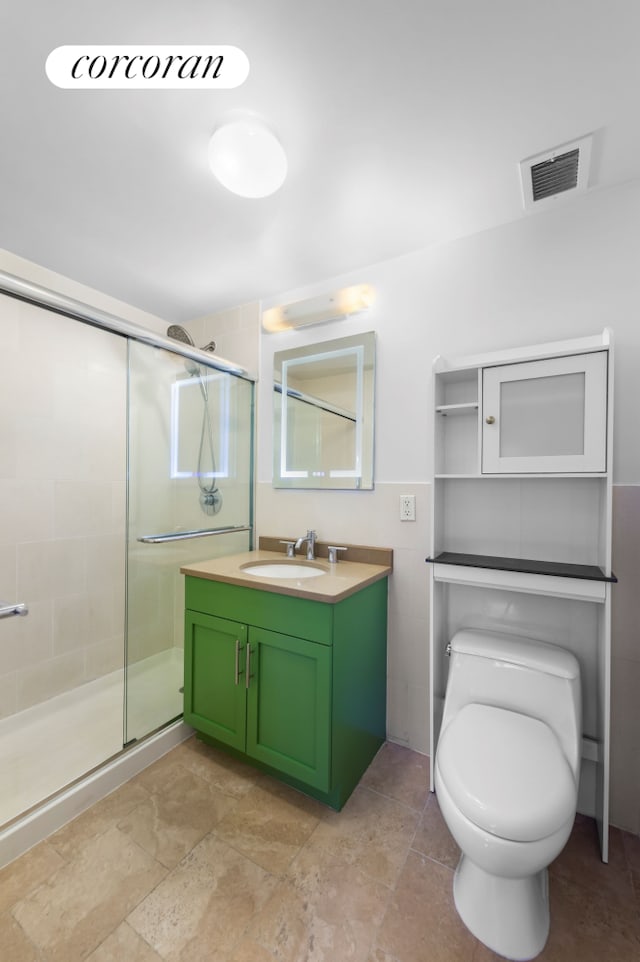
x=310, y=539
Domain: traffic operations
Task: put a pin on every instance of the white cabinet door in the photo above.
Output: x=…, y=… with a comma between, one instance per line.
x=545, y=416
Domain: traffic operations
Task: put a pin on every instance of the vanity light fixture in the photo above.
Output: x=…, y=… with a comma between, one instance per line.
x=318, y=310
x=247, y=158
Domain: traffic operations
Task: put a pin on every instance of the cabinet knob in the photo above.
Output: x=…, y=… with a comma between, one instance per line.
x=490, y=419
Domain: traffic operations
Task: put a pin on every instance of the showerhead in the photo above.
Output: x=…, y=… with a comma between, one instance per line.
x=178, y=333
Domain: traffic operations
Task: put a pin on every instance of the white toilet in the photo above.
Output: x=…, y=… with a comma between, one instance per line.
x=507, y=769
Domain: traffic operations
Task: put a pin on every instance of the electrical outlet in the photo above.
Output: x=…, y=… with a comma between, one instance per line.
x=407, y=507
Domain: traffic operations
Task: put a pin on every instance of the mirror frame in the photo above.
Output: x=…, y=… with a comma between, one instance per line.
x=359, y=477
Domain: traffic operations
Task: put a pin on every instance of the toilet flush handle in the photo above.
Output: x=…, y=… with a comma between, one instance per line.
x=447, y=650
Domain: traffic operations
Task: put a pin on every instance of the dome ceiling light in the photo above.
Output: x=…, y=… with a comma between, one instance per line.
x=247, y=158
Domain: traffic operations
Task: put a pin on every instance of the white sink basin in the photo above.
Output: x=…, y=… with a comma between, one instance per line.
x=283, y=569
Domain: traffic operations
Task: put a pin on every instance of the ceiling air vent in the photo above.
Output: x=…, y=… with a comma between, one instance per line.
x=558, y=172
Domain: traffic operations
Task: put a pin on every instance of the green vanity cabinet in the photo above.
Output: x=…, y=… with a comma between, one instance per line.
x=296, y=686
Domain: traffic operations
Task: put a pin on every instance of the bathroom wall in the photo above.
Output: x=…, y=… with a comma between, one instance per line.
x=563, y=273
x=235, y=332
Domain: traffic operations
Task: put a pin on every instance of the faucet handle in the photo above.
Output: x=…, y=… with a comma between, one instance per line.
x=291, y=548
x=332, y=550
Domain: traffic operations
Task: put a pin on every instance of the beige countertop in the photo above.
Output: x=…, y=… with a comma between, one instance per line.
x=339, y=581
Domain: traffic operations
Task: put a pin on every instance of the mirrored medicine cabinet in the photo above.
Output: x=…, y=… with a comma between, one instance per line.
x=323, y=414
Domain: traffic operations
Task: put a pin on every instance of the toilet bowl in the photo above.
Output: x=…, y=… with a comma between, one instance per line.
x=506, y=776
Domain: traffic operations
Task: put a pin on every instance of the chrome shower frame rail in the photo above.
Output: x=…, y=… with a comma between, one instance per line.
x=24, y=290
x=187, y=535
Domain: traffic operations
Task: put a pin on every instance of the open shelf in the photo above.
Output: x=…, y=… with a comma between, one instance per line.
x=446, y=410
x=526, y=565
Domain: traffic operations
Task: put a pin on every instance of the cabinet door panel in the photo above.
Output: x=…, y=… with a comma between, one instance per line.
x=546, y=416
x=214, y=686
x=288, y=705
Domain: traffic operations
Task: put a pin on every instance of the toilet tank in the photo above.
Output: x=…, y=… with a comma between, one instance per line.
x=521, y=675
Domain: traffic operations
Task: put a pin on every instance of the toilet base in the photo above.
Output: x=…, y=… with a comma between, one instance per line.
x=511, y=916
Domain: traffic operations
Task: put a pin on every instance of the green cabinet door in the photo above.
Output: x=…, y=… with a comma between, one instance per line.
x=289, y=706
x=214, y=682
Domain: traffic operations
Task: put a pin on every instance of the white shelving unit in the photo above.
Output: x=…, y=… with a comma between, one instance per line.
x=521, y=525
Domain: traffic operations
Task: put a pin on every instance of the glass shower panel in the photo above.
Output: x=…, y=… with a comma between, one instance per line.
x=190, y=472
x=62, y=535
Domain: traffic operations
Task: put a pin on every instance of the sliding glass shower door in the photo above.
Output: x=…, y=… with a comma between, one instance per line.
x=63, y=424
x=118, y=464
x=189, y=498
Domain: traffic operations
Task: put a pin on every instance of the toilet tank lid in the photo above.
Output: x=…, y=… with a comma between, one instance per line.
x=525, y=652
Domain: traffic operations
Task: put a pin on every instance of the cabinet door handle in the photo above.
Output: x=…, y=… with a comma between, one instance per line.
x=248, y=666
x=237, y=660
x=490, y=419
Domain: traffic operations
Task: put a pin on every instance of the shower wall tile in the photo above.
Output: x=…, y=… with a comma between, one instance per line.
x=104, y=657
x=70, y=623
x=8, y=579
x=26, y=510
x=8, y=449
x=8, y=704
x=69, y=566
x=35, y=570
x=83, y=508
x=235, y=331
x=105, y=560
x=28, y=640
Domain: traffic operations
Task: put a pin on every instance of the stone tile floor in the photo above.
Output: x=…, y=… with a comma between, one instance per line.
x=201, y=859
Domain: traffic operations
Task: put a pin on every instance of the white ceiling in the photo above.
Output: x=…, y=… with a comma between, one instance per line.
x=403, y=122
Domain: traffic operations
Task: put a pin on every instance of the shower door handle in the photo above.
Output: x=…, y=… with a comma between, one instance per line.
x=18, y=609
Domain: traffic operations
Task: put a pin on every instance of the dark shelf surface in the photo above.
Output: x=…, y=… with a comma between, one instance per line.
x=526, y=565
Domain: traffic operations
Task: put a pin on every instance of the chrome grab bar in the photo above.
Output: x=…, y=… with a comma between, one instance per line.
x=186, y=535
x=18, y=609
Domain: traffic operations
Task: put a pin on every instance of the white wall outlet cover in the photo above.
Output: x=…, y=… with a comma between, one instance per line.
x=407, y=507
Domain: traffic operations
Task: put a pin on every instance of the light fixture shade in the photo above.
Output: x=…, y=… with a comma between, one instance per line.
x=317, y=310
x=247, y=158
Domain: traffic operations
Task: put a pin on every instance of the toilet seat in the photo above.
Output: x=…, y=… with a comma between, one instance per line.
x=506, y=773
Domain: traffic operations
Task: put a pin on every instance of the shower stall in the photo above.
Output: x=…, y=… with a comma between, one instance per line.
x=123, y=455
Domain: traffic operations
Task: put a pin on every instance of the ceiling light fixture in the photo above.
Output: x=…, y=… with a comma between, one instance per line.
x=247, y=158
x=318, y=310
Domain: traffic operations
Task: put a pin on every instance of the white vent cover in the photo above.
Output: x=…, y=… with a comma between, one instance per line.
x=559, y=172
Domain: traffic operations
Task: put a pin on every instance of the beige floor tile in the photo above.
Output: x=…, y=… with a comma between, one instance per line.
x=580, y=862
x=21, y=877
x=585, y=926
x=168, y=824
x=249, y=951
x=102, y=816
x=421, y=922
x=433, y=838
x=270, y=824
x=14, y=944
x=229, y=775
x=200, y=911
x=371, y=832
x=292, y=930
x=337, y=890
x=378, y=955
x=71, y=913
x=124, y=945
x=323, y=910
x=399, y=773
x=157, y=776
